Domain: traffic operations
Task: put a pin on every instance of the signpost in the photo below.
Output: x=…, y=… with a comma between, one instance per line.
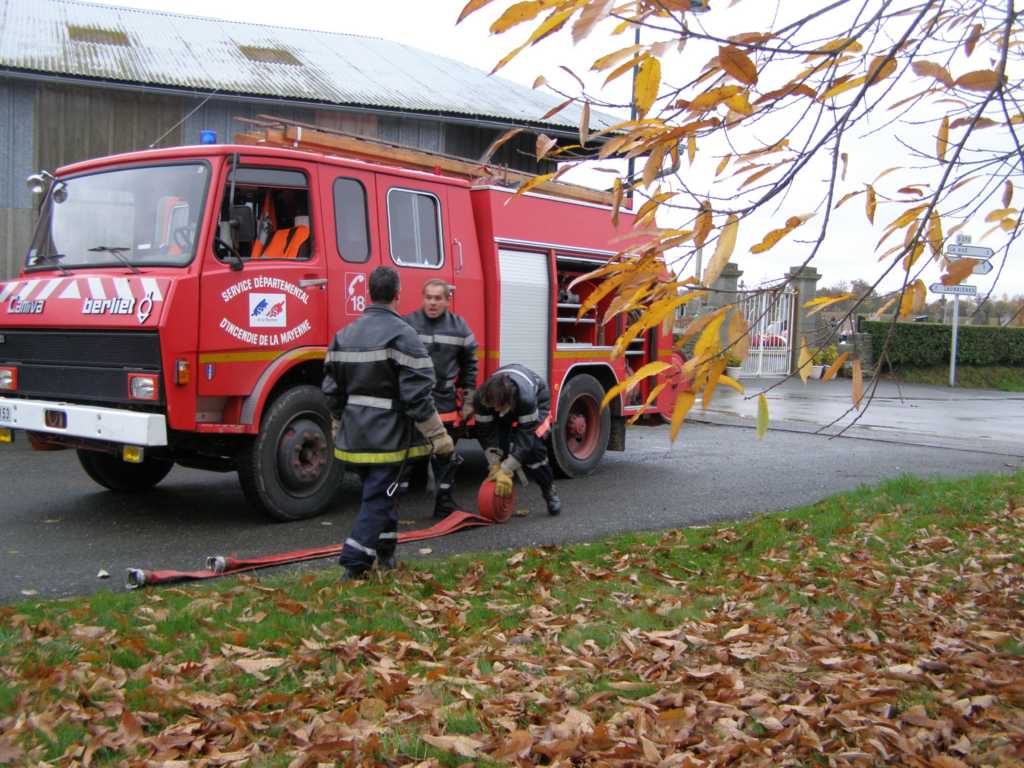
x=962, y=249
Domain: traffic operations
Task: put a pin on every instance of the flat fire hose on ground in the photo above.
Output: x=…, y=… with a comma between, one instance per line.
x=493, y=510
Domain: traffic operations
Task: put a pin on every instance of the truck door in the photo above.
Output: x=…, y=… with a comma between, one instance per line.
x=415, y=234
x=276, y=301
x=351, y=233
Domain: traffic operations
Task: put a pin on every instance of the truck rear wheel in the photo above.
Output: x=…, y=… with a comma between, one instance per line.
x=288, y=471
x=580, y=435
x=112, y=472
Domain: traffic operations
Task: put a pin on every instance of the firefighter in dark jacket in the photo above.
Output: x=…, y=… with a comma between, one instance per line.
x=452, y=347
x=378, y=379
x=513, y=410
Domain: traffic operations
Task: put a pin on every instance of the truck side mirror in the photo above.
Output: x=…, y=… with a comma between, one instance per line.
x=243, y=223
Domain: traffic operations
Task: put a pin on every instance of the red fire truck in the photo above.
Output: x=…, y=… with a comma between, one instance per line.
x=176, y=304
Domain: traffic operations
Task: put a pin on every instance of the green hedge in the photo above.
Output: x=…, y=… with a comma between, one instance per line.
x=925, y=344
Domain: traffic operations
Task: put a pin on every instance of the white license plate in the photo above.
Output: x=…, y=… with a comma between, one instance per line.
x=6, y=414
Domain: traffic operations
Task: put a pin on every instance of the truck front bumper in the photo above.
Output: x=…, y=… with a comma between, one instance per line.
x=110, y=424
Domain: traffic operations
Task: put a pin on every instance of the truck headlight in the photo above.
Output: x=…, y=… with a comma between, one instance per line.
x=143, y=386
x=8, y=378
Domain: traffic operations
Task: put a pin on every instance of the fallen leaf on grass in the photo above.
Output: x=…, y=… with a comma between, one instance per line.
x=256, y=667
x=461, y=745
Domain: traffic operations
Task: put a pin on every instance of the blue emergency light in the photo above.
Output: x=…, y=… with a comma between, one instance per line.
x=207, y=137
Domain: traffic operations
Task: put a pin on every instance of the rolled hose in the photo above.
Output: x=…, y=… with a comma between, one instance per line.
x=492, y=506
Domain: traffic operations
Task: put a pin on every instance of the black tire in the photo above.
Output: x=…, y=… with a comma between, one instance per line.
x=118, y=475
x=580, y=434
x=288, y=471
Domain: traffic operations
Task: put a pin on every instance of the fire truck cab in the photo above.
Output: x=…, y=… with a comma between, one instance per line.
x=175, y=307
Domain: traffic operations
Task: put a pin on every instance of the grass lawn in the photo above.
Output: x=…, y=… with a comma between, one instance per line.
x=878, y=627
x=970, y=377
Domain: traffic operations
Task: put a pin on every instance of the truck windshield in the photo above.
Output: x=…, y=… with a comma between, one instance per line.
x=150, y=214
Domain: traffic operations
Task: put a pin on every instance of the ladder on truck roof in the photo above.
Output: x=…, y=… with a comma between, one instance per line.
x=271, y=131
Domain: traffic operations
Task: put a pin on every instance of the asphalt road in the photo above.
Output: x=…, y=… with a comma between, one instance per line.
x=58, y=529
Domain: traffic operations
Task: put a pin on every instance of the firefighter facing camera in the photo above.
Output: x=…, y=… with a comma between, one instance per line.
x=452, y=347
x=378, y=380
x=513, y=412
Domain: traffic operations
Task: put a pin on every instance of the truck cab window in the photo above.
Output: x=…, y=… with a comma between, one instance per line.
x=278, y=201
x=414, y=228
x=350, y=221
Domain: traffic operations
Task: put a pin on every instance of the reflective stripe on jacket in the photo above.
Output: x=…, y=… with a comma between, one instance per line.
x=452, y=347
x=378, y=379
x=531, y=406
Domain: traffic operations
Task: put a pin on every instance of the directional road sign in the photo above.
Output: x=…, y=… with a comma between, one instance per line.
x=982, y=268
x=958, y=290
x=969, y=251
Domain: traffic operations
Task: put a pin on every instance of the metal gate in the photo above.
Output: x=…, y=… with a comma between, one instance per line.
x=771, y=315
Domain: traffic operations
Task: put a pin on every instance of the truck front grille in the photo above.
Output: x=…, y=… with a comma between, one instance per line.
x=80, y=366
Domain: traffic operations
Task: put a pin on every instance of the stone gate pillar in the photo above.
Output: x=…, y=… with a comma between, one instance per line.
x=805, y=281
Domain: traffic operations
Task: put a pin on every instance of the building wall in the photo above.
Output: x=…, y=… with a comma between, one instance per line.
x=46, y=125
x=17, y=148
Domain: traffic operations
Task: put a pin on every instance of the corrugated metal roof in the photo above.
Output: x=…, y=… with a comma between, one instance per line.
x=172, y=50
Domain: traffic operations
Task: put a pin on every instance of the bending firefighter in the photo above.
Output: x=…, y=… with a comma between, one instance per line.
x=452, y=347
x=513, y=413
x=378, y=379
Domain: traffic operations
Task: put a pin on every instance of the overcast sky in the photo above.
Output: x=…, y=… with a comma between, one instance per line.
x=430, y=25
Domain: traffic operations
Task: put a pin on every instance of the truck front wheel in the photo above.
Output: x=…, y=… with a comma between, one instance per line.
x=580, y=434
x=112, y=472
x=288, y=471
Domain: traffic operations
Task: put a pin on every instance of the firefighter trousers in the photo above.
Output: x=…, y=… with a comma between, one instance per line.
x=375, y=533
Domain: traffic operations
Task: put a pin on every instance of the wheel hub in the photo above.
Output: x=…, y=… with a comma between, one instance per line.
x=302, y=456
x=582, y=427
x=577, y=427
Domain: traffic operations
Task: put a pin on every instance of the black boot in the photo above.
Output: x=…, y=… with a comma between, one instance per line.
x=444, y=504
x=387, y=562
x=551, y=498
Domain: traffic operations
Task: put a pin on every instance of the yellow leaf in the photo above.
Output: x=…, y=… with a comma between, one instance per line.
x=740, y=103
x=880, y=68
x=762, y=416
x=551, y=24
x=545, y=145
x=935, y=233
x=496, y=145
x=713, y=97
x=684, y=402
x=653, y=164
x=1008, y=225
x=731, y=382
x=536, y=181
x=691, y=147
x=516, y=14
x=958, y=271
x=715, y=372
x=999, y=213
x=710, y=341
x=772, y=238
x=694, y=327
x=704, y=224
x=723, y=250
x=907, y=217
x=738, y=338
x=615, y=266
x=613, y=58
x=511, y=55
x=472, y=7
x=539, y=82
x=847, y=196
x=942, y=142
x=858, y=383
x=737, y=64
x=842, y=87
x=804, y=361
x=844, y=44
x=834, y=368
x=1007, y=193
x=913, y=298
x=721, y=165
x=882, y=309
x=931, y=69
x=820, y=303
x=979, y=80
x=915, y=253
x=655, y=391
x=651, y=369
x=648, y=80
x=870, y=203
